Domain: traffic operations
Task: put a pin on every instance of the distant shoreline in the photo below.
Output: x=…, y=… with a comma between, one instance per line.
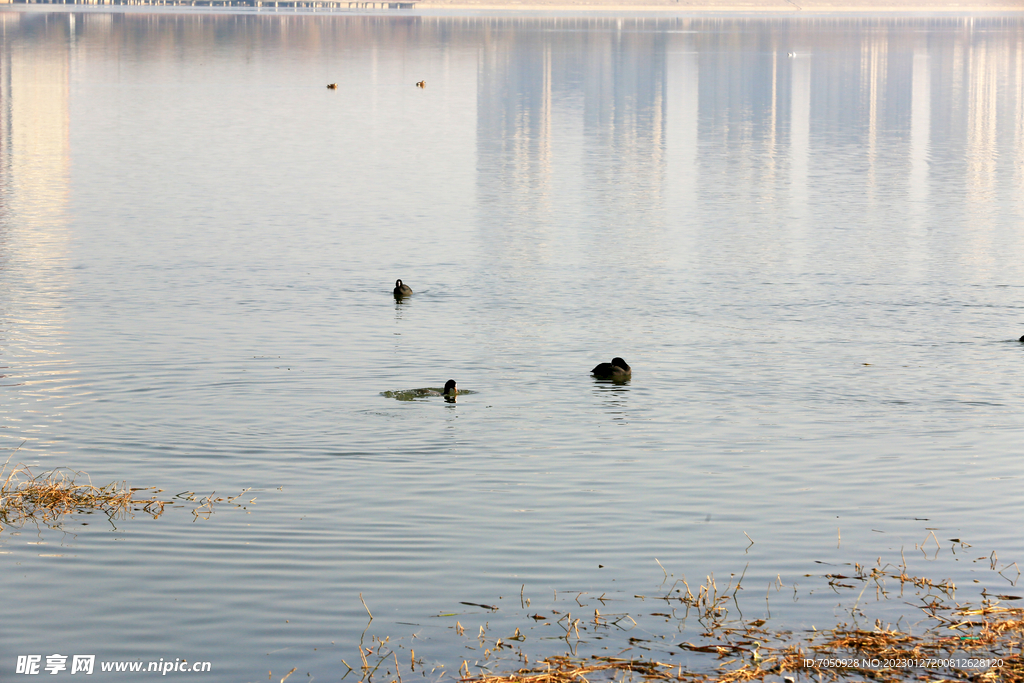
x=676, y=7
x=794, y=7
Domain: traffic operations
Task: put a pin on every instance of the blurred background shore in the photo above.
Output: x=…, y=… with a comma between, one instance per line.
x=746, y=6
x=752, y=7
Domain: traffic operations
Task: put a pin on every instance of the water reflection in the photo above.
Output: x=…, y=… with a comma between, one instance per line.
x=985, y=71
x=597, y=87
x=649, y=108
x=34, y=131
x=34, y=193
x=613, y=395
x=645, y=107
x=920, y=131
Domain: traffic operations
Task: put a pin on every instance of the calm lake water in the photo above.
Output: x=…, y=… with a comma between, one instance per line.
x=806, y=235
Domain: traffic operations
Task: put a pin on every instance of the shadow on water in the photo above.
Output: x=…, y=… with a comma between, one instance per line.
x=616, y=385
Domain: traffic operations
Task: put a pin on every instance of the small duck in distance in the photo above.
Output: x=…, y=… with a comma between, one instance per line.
x=421, y=84
x=332, y=86
x=617, y=369
x=402, y=290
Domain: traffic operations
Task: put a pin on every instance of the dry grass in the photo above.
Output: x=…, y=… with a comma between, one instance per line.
x=566, y=669
x=788, y=662
x=751, y=652
x=47, y=497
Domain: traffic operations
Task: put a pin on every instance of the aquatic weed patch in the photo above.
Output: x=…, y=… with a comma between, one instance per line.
x=840, y=654
x=425, y=392
x=47, y=497
x=704, y=637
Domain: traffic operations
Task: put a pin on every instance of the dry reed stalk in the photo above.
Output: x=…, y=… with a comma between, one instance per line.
x=991, y=631
x=48, y=496
x=565, y=669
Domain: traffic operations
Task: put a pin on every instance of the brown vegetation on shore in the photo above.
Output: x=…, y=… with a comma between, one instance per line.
x=883, y=654
x=948, y=639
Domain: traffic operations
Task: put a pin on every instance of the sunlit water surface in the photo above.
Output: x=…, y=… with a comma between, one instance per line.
x=805, y=235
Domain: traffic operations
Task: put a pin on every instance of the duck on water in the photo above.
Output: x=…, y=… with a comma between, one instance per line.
x=450, y=391
x=402, y=290
x=617, y=369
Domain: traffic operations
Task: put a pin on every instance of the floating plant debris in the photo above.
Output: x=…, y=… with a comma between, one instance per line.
x=948, y=639
x=48, y=496
x=426, y=392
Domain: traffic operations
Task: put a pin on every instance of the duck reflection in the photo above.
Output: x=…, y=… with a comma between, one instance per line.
x=614, y=394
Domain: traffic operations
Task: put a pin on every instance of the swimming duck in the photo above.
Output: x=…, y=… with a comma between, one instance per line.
x=332, y=86
x=617, y=369
x=421, y=84
x=449, y=393
x=1022, y=339
x=401, y=290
